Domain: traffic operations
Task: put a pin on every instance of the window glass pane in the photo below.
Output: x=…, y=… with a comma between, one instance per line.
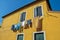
x=35, y=12
x=23, y=16
x=38, y=11
x=20, y=37
x=39, y=36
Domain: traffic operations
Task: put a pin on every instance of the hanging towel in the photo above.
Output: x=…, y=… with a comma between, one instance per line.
x=18, y=26
x=12, y=28
x=29, y=22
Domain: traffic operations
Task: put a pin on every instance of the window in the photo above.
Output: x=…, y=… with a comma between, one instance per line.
x=38, y=11
x=20, y=37
x=39, y=36
x=23, y=16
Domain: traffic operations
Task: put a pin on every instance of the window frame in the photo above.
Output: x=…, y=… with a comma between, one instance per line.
x=40, y=32
x=42, y=11
x=20, y=34
x=20, y=16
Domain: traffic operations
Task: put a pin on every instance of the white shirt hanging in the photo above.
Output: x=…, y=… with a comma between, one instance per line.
x=23, y=23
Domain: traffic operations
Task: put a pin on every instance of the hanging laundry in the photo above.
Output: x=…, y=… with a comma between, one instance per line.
x=23, y=23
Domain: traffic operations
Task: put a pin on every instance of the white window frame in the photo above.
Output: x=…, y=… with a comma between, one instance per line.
x=20, y=34
x=20, y=16
x=40, y=32
x=42, y=11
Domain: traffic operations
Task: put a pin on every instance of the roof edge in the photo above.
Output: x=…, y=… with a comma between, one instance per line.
x=48, y=4
x=17, y=9
x=28, y=5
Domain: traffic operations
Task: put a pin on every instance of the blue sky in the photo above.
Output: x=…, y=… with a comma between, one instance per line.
x=55, y=4
x=7, y=6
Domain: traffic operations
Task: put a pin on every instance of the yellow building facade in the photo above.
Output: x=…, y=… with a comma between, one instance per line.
x=44, y=26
